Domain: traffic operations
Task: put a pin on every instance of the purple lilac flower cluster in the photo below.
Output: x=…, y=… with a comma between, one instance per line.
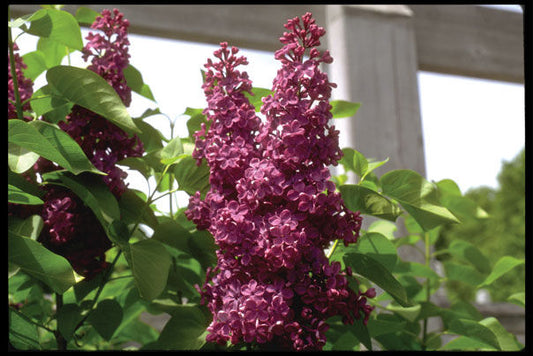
x=70, y=228
x=25, y=85
x=103, y=142
x=272, y=207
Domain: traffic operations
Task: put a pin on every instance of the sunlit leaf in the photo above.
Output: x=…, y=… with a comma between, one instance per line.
x=57, y=25
x=417, y=196
x=89, y=90
x=377, y=273
x=343, y=108
x=19, y=159
x=367, y=201
x=39, y=262
x=502, y=266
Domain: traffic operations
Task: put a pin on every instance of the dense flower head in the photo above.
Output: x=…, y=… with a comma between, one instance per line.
x=103, y=142
x=70, y=227
x=272, y=208
x=25, y=85
x=109, y=51
x=72, y=230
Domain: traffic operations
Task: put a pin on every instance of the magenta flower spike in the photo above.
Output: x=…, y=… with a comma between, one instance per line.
x=103, y=142
x=272, y=208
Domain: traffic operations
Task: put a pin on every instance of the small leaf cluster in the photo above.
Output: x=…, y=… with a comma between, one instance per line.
x=403, y=198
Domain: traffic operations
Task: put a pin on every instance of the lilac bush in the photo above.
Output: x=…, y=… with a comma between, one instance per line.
x=70, y=228
x=272, y=207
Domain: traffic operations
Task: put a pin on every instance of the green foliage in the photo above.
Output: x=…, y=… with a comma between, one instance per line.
x=51, y=307
x=498, y=230
x=404, y=304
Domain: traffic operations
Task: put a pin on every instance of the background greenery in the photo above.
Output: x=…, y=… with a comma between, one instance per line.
x=501, y=233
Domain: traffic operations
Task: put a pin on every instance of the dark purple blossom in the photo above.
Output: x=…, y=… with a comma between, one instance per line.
x=70, y=228
x=272, y=207
x=25, y=85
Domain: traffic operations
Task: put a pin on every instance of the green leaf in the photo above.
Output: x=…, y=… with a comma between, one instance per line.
x=463, y=273
x=118, y=233
x=378, y=247
x=197, y=118
x=474, y=330
x=53, y=107
x=22, y=334
x=57, y=25
x=20, y=182
x=191, y=177
x=20, y=159
x=35, y=64
x=338, y=338
x=93, y=192
x=186, y=330
x=406, y=240
x=39, y=262
x=257, y=95
x=372, y=165
x=133, y=208
x=343, y=108
x=386, y=228
x=416, y=269
x=150, y=263
x=172, y=151
x=18, y=196
x=518, y=299
x=466, y=252
x=135, y=81
x=505, y=339
x=66, y=146
x=53, y=51
x=30, y=227
x=86, y=16
x=378, y=327
x=150, y=137
x=199, y=244
x=464, y=343
x=87, y=89
x=504, y=265
x=68, y=317
x=368, y=202
x=377, y=273
x=417, y=196
x=173, y=234
x=51, y=143
x=462, y=207
x=353, y=160
x=106, y=318
x=409, y=313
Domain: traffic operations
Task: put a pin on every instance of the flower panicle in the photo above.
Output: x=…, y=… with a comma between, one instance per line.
x=272, y=207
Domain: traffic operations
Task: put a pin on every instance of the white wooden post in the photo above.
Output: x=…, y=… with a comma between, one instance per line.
x=375, y=63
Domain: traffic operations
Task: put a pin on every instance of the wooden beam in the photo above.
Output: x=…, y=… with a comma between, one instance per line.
x=251, y=26
x=455, y=39
x=470, y=40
